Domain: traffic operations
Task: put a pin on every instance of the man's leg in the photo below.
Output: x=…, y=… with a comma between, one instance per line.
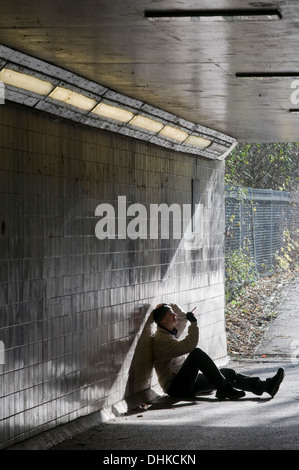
x=254, y=384
x=243, y=382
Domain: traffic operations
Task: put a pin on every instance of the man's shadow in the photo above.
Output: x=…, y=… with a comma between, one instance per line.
x=141, y=368
x=166, y=402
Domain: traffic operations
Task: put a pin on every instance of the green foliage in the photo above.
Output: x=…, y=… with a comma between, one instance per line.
x=287, y=257
x=240, y=271
x=268, y=166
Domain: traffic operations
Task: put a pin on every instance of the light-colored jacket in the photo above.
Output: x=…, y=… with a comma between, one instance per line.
x=169, y=352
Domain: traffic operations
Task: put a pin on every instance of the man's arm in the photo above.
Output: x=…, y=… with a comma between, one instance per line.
x=182, y=320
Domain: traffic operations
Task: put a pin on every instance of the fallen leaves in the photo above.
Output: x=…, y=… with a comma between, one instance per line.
x=248, y=317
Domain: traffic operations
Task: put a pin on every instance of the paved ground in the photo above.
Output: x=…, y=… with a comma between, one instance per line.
x=251, y=423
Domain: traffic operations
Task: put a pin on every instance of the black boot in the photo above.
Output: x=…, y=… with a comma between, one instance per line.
x=227, y=391
x=273, y=384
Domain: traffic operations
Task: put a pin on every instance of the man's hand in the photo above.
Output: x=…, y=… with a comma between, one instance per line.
x=191, y=317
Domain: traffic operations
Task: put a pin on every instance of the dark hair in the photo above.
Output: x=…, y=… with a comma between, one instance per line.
x=160, y=312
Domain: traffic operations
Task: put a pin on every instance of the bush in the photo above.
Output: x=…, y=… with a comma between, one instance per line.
x=287, y=257
x=240, y=271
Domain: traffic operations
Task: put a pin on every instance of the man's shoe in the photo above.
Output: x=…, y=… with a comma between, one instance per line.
x=273, y=384
x=229, y=392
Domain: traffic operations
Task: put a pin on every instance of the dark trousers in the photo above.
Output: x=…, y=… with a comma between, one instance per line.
x=200, y=374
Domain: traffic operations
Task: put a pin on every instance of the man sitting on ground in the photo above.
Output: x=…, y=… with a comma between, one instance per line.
x=181, y=376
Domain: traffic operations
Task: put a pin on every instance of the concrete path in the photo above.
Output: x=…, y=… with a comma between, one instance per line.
x=252, y=423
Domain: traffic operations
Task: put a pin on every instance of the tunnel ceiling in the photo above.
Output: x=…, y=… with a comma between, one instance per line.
x=217, y=63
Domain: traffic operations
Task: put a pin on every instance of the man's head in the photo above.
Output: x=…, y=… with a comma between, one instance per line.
x=164, y=315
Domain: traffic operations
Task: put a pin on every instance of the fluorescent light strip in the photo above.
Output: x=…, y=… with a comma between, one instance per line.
x=174, y=133
x=26, y=82
x=113, y=112
x=245, y=14
x=146, y=123
x=75, y=99
x=197, y=141
x=36, y=85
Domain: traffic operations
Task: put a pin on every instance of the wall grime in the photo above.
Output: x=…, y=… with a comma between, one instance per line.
x=75, y=310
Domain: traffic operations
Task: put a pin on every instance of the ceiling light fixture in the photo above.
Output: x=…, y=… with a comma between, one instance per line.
x=71, y=97
x=174, y=133
x=197, y=141
x=146, y=123
x=113, y=112
x=26, y=82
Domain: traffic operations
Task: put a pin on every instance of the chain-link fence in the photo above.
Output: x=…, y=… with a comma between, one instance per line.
x=259, y=222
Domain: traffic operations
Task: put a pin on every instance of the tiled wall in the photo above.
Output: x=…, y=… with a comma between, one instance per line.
x=75, y=310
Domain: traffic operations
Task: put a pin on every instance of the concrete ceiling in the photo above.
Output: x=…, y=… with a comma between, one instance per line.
x=184, y=67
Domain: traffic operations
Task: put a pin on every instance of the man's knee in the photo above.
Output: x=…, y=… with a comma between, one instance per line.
x=229, y=374
x=197, y=356
x=195, y=352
